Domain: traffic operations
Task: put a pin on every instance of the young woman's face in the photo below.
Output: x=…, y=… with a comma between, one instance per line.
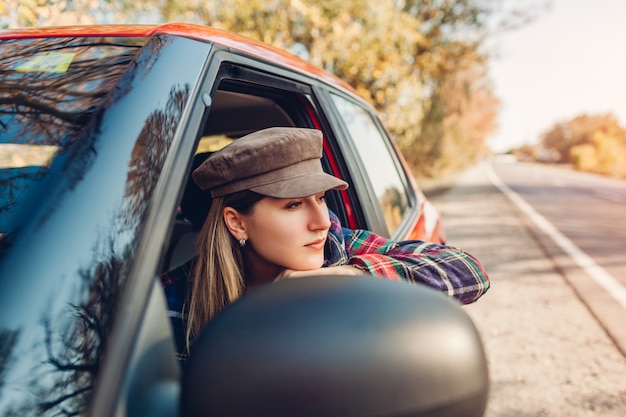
x=287, y=233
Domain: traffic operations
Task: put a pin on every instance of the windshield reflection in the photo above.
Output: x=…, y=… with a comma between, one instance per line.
x=51, y=93
x=49, y=368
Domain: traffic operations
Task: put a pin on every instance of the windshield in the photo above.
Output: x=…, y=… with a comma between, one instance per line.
x=51, y=94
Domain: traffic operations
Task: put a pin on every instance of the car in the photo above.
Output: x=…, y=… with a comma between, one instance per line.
x=100, y=128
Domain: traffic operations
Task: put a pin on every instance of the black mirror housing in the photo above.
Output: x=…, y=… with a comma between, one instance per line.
x=338, y=346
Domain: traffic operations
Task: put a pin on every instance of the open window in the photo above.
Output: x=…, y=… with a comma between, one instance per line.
x=244, y=101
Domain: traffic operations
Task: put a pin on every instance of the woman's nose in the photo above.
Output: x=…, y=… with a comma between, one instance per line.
x=320, y=220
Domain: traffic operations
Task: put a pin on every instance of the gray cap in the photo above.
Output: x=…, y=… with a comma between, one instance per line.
x=282, y=162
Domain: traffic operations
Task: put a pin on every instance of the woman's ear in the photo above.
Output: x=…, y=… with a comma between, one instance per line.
x=234, y=223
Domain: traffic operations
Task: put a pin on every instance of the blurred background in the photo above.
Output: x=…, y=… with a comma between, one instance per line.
x=454, y=80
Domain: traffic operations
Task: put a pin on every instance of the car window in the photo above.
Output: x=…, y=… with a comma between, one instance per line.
x=250, y=103
x=380, y=163
x=241, y=105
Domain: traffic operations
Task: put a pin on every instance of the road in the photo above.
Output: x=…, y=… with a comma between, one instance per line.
x=587, y=209
x=553, y=323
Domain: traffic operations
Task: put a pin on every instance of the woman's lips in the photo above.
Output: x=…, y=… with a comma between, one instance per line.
x=317, y=244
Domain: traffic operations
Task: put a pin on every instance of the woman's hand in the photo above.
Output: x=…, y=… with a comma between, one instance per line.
x=333, y=270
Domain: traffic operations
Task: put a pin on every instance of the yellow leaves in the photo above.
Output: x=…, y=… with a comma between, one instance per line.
x=396, y=54
x=592, y=143
x=584, y=157
x=581, y=130
x=26, y=13
x=606, y=154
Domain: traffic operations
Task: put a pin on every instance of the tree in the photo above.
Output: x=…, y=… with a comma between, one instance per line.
x=406, y=57
x=402, y=57
x=593, y=143
x=563, y=136
x=604, y=154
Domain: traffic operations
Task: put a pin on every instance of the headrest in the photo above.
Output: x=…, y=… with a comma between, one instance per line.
x=196, y=203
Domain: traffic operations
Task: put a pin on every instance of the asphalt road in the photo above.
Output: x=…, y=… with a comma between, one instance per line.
x=553, y=323
x=590, y=210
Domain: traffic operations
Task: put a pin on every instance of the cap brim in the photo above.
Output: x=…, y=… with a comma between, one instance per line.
x=304, y=186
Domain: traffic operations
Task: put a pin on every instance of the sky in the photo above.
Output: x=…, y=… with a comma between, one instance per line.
x=570, y=60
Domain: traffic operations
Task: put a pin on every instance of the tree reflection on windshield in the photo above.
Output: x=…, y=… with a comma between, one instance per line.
x=51, y=93
x=75, y=338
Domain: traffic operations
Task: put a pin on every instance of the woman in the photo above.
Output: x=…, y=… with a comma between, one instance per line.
x=269, y=221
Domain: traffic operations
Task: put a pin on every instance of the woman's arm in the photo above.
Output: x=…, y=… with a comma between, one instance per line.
x=445, y=268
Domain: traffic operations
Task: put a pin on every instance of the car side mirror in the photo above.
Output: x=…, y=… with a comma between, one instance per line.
x=338, y=346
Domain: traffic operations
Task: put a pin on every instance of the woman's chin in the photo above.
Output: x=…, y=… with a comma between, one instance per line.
x=309, y=265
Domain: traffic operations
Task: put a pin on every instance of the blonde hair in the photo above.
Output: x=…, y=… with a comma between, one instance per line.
x=217, y=277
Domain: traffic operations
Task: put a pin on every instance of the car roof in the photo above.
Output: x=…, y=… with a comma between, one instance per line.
x=205, y=33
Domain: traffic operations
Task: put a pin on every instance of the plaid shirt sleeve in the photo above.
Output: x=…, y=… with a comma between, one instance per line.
x=445, y=268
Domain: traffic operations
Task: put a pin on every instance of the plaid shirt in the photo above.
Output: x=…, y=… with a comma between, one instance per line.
x=447, y=269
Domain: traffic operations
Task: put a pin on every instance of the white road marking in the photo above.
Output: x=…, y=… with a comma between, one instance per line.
x=584, y=261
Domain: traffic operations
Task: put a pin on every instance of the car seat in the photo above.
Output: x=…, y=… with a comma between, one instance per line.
x=194, y=208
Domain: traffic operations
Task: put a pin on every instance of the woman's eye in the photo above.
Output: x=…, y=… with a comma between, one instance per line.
x=294, y=204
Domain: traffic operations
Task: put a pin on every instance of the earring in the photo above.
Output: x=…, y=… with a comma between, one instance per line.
x=242, y=242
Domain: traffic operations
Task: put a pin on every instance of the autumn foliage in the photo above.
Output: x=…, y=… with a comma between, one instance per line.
x=590, y=143
x=420, y=63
